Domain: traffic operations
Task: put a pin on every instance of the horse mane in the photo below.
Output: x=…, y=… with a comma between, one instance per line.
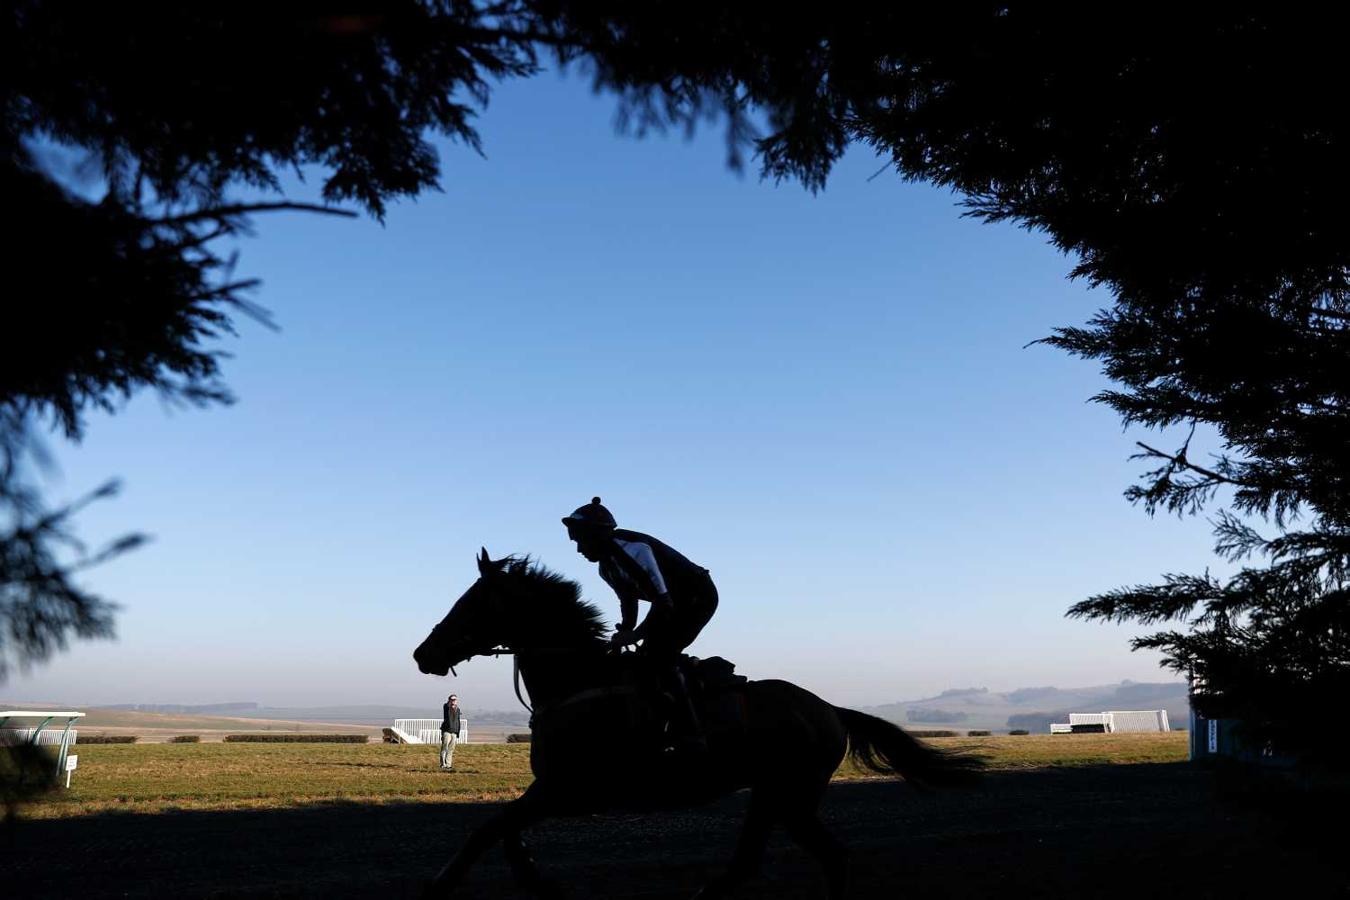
x=556, y=608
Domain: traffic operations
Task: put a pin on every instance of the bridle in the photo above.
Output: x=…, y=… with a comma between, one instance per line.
x=496, y=650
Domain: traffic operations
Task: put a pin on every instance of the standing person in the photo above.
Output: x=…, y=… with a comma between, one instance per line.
x=681, y=593
x=449, y=732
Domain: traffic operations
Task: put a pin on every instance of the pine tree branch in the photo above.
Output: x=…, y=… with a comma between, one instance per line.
x=1181, y=460
x=241, y=209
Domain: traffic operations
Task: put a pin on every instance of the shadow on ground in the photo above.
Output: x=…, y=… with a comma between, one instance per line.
x=1110, y=831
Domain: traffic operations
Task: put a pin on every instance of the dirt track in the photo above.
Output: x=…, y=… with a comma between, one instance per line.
x=1113, y=831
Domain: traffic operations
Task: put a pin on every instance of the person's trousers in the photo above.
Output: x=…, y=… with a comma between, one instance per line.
x=448, y=741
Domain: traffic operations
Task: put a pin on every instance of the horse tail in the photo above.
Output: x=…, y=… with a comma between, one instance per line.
x=884, y=748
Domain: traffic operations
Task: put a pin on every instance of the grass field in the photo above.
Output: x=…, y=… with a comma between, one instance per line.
x=157, y=778
x=152, y=728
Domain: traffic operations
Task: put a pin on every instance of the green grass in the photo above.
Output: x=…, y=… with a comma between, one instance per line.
x=152, y=778
x=1034, y=751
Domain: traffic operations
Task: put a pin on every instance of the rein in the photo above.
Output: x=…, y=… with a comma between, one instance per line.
x=515, y=666
x=515, y=678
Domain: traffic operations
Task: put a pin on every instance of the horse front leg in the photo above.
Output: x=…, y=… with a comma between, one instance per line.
x=533, y=806
x=506, y=826
x=525, y=870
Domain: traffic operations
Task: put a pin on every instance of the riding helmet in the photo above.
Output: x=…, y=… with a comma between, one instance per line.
x=593, y=516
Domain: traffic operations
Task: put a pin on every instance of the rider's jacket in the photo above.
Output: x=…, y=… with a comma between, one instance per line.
x=639, y=567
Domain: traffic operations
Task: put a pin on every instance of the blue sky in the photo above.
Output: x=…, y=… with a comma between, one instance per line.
x=825, y=399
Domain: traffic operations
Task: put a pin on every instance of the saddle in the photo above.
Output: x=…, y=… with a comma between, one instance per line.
x=718, y=694
x=634, y=705
x=713, y=685
x=711, y=676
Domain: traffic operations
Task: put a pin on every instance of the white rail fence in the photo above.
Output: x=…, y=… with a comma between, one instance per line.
x=12, y=737
x=1137, y=720
x=427, y=731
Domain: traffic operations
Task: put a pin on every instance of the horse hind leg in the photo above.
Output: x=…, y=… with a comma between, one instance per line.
x=749, y=855
x=804, y=827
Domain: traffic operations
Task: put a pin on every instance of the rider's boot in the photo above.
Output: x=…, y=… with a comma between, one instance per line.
x=688, y=736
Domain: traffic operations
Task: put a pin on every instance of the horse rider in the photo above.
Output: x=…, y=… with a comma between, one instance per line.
x=682, y=596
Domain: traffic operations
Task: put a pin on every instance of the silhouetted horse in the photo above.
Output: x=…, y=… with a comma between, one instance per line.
x=593, y=749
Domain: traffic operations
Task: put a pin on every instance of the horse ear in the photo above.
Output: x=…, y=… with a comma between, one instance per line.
x=484, y=563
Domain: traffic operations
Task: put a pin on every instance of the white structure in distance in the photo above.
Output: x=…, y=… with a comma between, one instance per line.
x=426, y=731
x=1127, y=721
x=40, y=736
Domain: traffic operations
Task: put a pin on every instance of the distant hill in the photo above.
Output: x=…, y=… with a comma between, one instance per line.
x=209, y=709
x=1033, y=708
x=369, y=714
x=150, y=723
x=355, y=714
x=375, y=714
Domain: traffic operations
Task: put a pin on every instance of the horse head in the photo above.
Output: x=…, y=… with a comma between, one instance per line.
x=473, y=626
x=516, y=605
